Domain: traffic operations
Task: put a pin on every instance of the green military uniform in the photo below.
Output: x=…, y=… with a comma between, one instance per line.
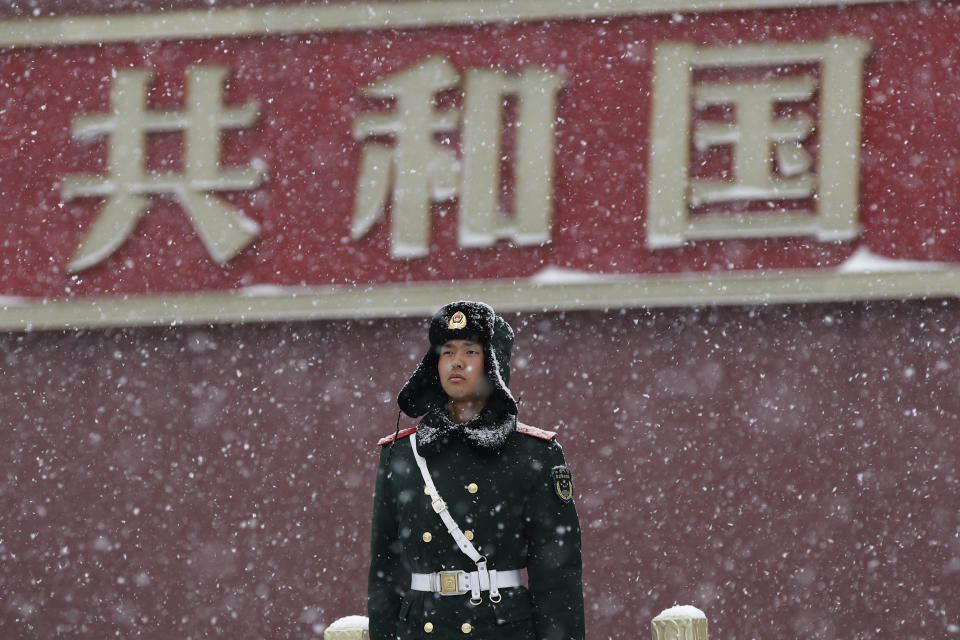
x=508, y=488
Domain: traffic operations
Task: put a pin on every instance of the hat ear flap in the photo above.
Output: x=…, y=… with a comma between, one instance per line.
x=494, y=372
x=502, y=346
x=423, y=390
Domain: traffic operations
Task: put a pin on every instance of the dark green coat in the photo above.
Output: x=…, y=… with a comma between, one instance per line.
x=518, y=519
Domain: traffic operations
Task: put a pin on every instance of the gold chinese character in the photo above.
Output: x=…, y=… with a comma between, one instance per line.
x=416, y=171
x=482, y=218
x=756, y=130
x=769, y=160
x=416, y=166
x=223, y=230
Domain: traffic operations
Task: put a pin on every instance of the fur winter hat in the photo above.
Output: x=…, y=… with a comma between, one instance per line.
x=462, y=320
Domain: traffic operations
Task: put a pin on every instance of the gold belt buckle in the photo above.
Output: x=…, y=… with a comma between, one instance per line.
x=449, y=583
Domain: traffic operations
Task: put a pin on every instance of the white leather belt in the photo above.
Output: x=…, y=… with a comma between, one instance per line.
x=455, y=583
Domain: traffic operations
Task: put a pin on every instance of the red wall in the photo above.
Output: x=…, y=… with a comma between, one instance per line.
x=791, y=470
x=309, y=85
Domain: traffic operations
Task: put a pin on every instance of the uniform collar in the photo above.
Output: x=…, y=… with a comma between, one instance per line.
x=486, y=432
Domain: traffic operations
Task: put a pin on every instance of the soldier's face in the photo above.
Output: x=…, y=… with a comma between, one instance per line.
x=461, y=371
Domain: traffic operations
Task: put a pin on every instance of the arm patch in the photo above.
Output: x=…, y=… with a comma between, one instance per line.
x=562, y=482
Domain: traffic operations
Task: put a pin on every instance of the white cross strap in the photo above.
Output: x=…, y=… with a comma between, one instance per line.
x=441, y=508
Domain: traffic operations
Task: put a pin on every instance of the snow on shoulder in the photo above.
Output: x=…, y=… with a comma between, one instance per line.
x=543, y=434
x=390, y=438
x=681, y=611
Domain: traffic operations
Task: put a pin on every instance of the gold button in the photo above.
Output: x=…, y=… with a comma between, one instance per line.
x=428, y=627
x=472, y=487
x=427, y=536
x=466, y=628
x=426, y=491
x=468, y=534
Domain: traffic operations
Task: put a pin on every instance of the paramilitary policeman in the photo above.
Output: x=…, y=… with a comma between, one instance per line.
x=475, y=533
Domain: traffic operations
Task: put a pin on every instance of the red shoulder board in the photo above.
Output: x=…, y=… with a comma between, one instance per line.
x=543, y=434
x=390, y=438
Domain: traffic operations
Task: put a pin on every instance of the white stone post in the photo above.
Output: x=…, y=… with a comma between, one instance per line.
x=680, y=623
x=349, y=628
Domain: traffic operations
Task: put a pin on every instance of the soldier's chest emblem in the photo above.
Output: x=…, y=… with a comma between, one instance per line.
x=562, y=482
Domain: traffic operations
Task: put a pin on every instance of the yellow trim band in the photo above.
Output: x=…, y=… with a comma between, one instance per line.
x=294, y=19
x=264, y=304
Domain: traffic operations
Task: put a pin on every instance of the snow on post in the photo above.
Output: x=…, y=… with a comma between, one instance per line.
x=680, y=623
x=349, y=628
